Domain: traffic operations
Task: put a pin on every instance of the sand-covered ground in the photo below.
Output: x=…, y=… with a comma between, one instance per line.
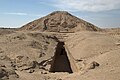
x=30, y=55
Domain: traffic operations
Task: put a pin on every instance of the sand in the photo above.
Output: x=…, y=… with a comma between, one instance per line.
x=30, y=55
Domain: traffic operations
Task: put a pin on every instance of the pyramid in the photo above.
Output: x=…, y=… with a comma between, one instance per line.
x=60, y=21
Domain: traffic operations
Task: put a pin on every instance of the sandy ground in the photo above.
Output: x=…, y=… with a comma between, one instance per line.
x=29, y=54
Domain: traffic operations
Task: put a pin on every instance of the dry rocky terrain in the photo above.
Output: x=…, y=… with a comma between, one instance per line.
x=81, y=51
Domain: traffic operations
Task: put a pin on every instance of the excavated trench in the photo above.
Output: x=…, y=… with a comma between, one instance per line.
x=62, y=61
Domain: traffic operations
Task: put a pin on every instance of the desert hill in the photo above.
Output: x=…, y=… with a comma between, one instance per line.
x=60, y=21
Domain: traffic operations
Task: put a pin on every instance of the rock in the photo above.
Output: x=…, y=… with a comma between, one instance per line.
x=44, y=72
x=118, y=44
x=10, y=71
x=30, y=70
x=2, y=65
x=92, y=65
x=41, y=55
x=6, y=73
x=3, y=73
x=29, y=65
x=24, y=63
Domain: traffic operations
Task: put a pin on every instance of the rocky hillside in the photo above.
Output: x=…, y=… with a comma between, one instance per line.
x=60, y=21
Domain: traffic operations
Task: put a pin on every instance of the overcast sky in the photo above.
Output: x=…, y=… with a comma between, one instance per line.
x=102, y=13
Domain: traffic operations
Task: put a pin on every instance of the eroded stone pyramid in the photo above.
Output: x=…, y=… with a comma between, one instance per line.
x=60, y=21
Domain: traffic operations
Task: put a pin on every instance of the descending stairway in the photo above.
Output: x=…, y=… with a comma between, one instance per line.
x=61, y=36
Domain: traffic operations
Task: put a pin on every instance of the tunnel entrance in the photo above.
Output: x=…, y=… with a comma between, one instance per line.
x=61, y=62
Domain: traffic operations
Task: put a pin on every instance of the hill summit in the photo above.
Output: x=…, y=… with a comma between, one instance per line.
x=60, y=21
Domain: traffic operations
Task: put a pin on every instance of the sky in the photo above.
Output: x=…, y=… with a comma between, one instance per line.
x=104, y=14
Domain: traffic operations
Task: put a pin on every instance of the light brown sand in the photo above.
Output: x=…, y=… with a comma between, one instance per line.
x=26, y=50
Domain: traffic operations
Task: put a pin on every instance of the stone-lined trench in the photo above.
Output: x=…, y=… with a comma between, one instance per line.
x=62, y=61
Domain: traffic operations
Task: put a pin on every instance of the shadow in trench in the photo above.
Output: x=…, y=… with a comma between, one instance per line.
x=61, y=62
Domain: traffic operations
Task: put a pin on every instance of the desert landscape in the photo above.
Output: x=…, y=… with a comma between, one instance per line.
x=59, y=46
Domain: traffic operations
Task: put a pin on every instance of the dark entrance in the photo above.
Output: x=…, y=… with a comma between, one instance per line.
x=61, y=62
